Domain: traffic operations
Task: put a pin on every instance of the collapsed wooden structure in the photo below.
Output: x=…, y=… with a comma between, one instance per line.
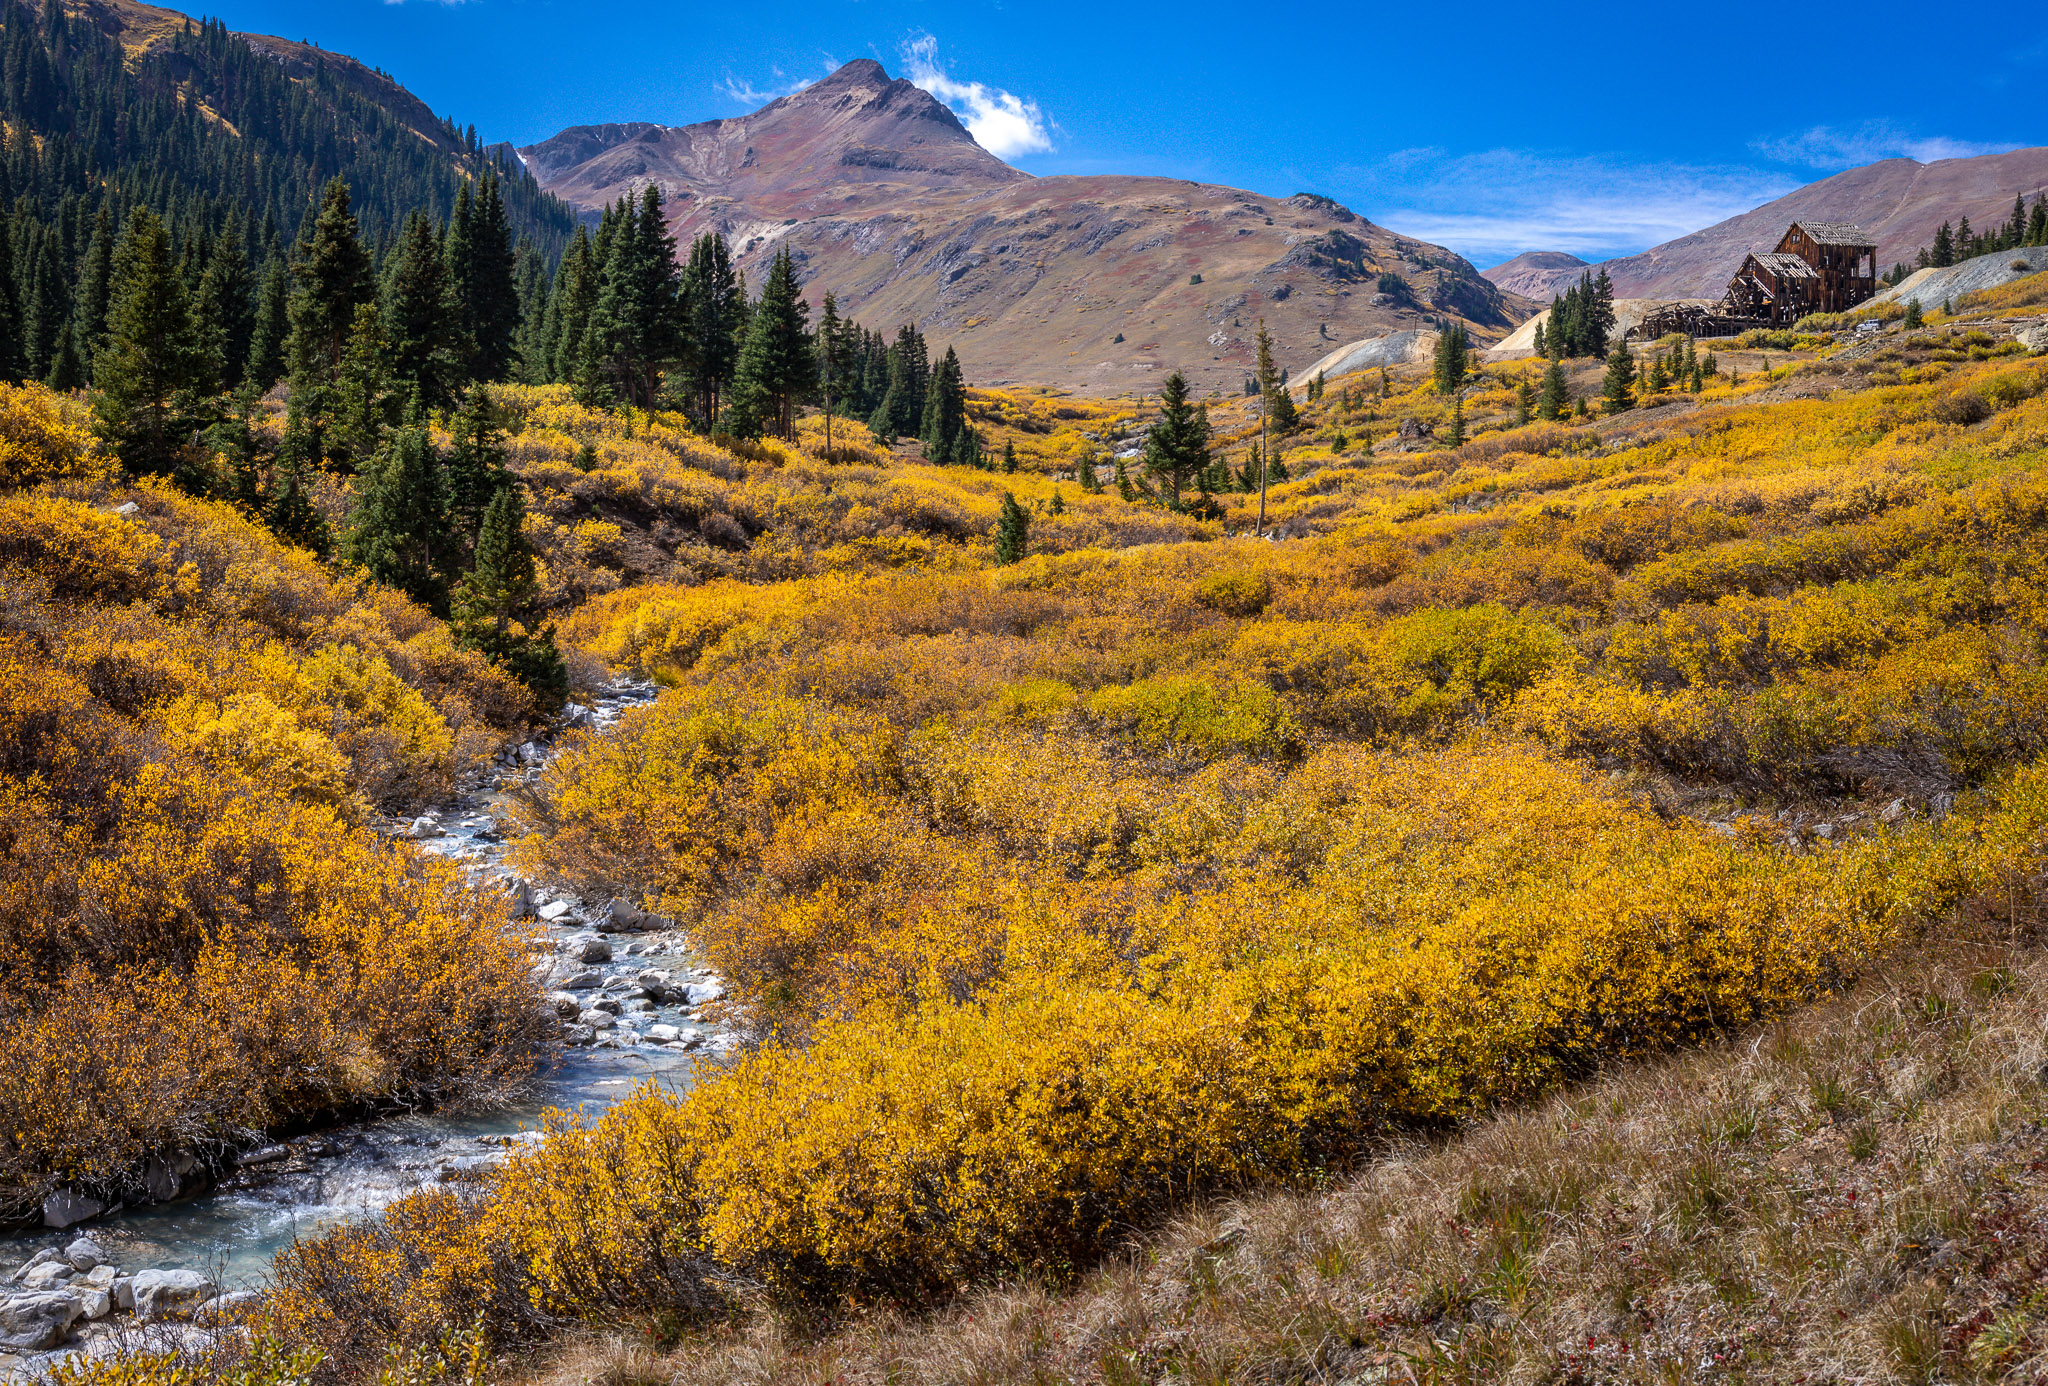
x=1818, y=267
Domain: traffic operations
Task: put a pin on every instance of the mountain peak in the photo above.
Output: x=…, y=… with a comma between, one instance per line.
x=861, y=72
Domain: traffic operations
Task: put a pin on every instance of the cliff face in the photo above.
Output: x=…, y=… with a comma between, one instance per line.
x=887, y=202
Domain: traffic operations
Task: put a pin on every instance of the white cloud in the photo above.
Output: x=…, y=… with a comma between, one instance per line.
x=781, y=84
x=1005, y=125
x=1593, y=206
x=1825, y=146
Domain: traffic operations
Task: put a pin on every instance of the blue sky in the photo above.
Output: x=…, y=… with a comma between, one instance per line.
x=1489, y=128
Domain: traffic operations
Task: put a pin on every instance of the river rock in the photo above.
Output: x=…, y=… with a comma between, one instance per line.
x=606, y=1004
x=100, y=1277
x=664, y=1034
x=575, y=715
x=41, y=1258
x=658, y=984
x=518, y=897
x=578, y=1034
x=38, y=1322
x=98, y=1304
x=164, y=1177
x=84, y=1254
x=595, y=1019
x=586, y=948
x=224, y=1306
x=48, y=1276
x=564, y=1004
x=623, y=916
x=169, y=1293
x=66, y=1206
x=423, y=827
x=2034, y=338
x=700, y=992
x=123, y=1291
x=553, y=910
x=584, y=980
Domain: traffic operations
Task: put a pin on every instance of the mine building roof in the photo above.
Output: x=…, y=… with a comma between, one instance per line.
x=1836, y=233
x=1786, y=266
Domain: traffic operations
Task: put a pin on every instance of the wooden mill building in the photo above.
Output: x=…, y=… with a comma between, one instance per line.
x=1818, y=267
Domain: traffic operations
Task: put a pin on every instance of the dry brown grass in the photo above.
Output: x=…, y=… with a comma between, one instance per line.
x=1857, y=1194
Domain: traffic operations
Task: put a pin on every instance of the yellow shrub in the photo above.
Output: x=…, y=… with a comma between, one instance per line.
x=44, y=436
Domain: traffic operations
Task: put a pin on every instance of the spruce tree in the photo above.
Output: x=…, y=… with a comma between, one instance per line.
x=497, y=609
x=475, y=469
x=271, y=328
x=482, y=266
x=636, y=328
x=1009, y=455
x=1058, y=505
x=945, y=409
x=398, y=521
x=67, y=371
x=290, y=512
x=361, y=403
x=95, y=285
x=575, y=293
x=715, y=309
x=1177, y=446
x=1525, y=401
x=777, y=368
x=151, y=373
x=1013, y=531
x=1455, y=436
x=225, y=308
x=1619, y=392
x=1084, y=473
x=331, y=280
x=1915, y=315
x=422, y=319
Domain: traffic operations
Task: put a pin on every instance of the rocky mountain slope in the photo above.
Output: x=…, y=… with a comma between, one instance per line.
x=1899, y=201
x=1101, y=283
x=1535, y=273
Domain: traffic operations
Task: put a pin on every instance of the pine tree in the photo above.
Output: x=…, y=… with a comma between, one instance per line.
x=270, y=330
x=1177, y=446
x=482, y=279
x=1455, y=437
x=331, y=280
x=290, y=512
x=575, y=293
x=1009, y=455
x=361, y=402
x=1944, y=252
x=422, y=319
x=225, y=309
x=475, y=470
x=1453, y=358
x=967, y=450
x=398, y=523
x=945, y=409
x=1619, y=392
x=829, y=350
x=1013, y=532
x=1084, y=473
x=777, y=369
x=1915, y=315
x=1525, y=401
x=151, y=372
x=1556, y=396
x=497, y=609
x=95, y=284
x=1541, y=348
x=636, y=330
x=716, y=309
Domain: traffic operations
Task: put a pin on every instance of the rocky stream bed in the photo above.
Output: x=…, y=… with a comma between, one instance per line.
x=93, y=1278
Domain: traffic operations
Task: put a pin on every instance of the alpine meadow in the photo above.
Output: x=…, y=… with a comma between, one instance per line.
x=775, y=751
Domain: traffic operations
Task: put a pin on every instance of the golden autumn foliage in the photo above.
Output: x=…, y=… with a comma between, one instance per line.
x=199, y=940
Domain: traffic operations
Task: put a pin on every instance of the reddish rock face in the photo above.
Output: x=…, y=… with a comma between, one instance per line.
x=886, y=201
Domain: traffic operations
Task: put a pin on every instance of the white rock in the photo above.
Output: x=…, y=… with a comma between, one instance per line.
x=100, y=1277
x=595, y=1019
x=553, y=910
x=127, y=508
x=170, y=1293
x=98, y=1303
x=700, y=992
x=38, y=1322
x=664, y=1034
x=84, y=1254
x=225, y=1305
x=518, y=898
x=41, y=1258
x=578, y=1035
x=423, y=826
x=588, y=978
x=123, y=1291
x=623, y=916
x=564, y=1004
x=48, y=1276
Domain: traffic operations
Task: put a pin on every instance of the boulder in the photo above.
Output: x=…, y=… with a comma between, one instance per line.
x=664, y=1034
x=518, y=898
x=2034, y=338
x=170, y=1293
x=50, y=1275
x=586, y=948
x=98, y=1303
x=595, y=1019
x=623, y=916
x=578, y=1034
x=585, y=980
x=127, y=508
x=66, y=1206
x=424, y=826
x=564, y=1004
x=38, y=1322
x=553, y=910
x=41, y=1258
x=123, y=1291
x=100, y=1277
x=84, y=1254
x=224, y=1306
x=701, y=992
x=658, y=984
x=608, y=1005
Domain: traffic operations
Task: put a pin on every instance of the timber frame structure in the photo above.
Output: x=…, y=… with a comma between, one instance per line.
x=1818, y=267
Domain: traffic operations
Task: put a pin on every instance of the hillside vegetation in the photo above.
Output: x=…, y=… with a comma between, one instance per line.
x=200, y=938
x=1060, y=893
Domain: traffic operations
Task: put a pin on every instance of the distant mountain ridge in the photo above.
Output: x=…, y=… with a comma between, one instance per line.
x=1101, y=283
x=1900, y=202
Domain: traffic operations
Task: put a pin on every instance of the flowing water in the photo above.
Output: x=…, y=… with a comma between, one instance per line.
x=230, y=1231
